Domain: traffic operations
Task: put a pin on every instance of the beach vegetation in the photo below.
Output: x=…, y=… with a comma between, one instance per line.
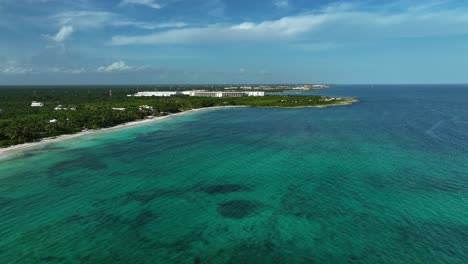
x=94, y=107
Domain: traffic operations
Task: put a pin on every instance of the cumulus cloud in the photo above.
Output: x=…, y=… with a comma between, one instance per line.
x=337, y=22
x=62, y=34
x=148, y=3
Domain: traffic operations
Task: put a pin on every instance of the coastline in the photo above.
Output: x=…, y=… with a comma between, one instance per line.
x=8, y=151
x=26, y=146
x=348, y=102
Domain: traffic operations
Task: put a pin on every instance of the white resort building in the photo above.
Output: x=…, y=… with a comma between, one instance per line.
x=225, y=94
x=37, y=104
x=218, y=94
x=156, y=94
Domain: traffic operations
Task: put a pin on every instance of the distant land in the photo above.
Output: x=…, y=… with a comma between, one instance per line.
x=179, y=87
x=32, y=113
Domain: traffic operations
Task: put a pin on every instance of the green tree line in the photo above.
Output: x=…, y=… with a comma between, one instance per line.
x=21, y=123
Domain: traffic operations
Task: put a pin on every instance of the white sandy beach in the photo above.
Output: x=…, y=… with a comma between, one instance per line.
x=21, y=147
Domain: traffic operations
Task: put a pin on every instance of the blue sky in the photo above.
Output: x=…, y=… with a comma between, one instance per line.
x=232, y=41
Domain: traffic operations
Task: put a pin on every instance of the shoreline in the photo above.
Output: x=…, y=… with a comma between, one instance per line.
x=345, y=103
x=8, y=151
x=4, y=152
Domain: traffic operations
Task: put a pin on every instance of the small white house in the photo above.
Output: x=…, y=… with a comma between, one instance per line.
x=59, y=107
x=145, y=107
x=37, y=104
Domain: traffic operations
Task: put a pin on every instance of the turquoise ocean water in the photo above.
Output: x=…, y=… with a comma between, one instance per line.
x=381, y=181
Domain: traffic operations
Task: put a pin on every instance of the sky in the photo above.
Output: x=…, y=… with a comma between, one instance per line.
x=233, y=41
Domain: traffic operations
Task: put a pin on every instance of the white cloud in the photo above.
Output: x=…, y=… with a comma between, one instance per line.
x=339, y=7
x=148, y=3
x=151, y=26
x=23, y=69
x=281, y=3
x=77, y=71
x=284, y=28
x=337, y=22
x=9, y=70
x=85, y=19
x=62, y=34
x=64, y=70
x=121, y=66
x=98, y=19
x=14, y=68
x=115, y=67
x=244, y=26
